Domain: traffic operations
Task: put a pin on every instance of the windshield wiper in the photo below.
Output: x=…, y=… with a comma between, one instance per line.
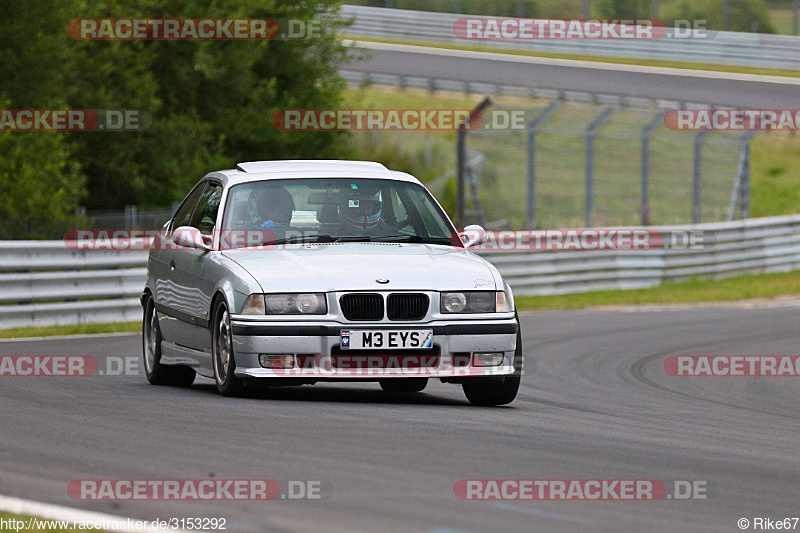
x=354, y=238
x=299, y=239
x=414, y=239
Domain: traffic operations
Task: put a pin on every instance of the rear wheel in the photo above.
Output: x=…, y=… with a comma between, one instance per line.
x=222, y=345
x=158, y=374
x=404, y=384
x=499, y=391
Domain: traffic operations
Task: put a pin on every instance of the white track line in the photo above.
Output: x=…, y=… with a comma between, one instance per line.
x=68, y=337
x=642, y=69
x=46, y=511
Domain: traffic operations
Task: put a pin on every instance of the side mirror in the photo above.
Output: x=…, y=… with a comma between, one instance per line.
x=189, y=237
x=472, y=235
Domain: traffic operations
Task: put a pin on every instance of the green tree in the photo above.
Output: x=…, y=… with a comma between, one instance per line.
x=745, y=15
x=623, y=8
x=210, y=101
x=40, y=178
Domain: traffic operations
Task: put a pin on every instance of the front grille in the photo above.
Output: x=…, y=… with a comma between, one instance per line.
x=362, y=306
x=407, y=306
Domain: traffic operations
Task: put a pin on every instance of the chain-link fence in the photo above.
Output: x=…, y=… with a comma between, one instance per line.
x=578, y=164
x=130, y=218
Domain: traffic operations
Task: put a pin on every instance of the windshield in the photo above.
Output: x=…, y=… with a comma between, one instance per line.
x=336, y=209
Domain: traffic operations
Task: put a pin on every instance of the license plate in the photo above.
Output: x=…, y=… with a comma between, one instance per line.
x=374, y=339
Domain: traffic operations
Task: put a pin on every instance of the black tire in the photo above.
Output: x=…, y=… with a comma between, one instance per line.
x=158, y=374
x=499, y=391
x=222, y=351
x=404, y=384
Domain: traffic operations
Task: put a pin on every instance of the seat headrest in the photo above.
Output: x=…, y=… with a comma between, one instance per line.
x=328, y=214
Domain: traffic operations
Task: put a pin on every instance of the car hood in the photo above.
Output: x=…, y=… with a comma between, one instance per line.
x=357, y=266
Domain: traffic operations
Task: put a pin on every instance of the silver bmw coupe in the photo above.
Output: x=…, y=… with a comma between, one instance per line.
x=298, y=272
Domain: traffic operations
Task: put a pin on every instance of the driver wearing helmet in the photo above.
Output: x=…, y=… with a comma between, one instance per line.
x=361, y=213
x=270, y=208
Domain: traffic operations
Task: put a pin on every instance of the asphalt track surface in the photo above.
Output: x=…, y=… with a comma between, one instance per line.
x=594, y=403
x=724, y=89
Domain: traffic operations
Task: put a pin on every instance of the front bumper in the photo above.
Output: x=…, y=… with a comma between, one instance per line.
x=318, y=355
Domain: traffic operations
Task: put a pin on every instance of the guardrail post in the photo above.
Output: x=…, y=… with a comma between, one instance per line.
x=698, y=177
x=740, y=196
x=130, y=217
x=744, y=210
x=795, y=6
x=726, y=15
x=590, y=133
x=647, y=132
x=532, y=128
x=461, y=160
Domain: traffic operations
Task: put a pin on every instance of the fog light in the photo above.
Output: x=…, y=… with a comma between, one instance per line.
x=276, y=361
x=487, y=359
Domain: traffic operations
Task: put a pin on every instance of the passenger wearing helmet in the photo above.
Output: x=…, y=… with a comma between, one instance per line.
x=360, y=213
x=270, y=207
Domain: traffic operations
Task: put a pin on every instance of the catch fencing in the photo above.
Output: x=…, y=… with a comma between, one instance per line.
x=586, y=159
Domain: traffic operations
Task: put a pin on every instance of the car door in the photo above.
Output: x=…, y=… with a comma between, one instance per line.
x=192, y=299
x=162, y=267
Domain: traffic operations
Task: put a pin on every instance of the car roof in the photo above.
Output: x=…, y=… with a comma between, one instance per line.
x=311, y=168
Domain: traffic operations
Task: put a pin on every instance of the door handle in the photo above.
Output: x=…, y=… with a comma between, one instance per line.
x=172, y=265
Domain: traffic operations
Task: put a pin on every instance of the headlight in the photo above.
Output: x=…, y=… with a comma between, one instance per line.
x=296, y=304
x=475, y=302
x=285, y=304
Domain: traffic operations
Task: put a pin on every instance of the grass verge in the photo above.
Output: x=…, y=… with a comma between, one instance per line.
x=713, y=67
x=693, y=291
x=78, y=329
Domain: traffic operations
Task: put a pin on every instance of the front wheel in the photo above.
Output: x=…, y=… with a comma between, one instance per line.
x=404, y=384
x=499, y=391
x=222, y=346
x=158, y=374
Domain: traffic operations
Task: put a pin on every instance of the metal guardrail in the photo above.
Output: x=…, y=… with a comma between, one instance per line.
x=728, y=249
x=357, y=78
x=44, y=283
x=747, y=49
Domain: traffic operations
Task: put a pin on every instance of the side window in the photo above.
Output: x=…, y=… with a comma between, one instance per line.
x=184, y=212
x=205, y=214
